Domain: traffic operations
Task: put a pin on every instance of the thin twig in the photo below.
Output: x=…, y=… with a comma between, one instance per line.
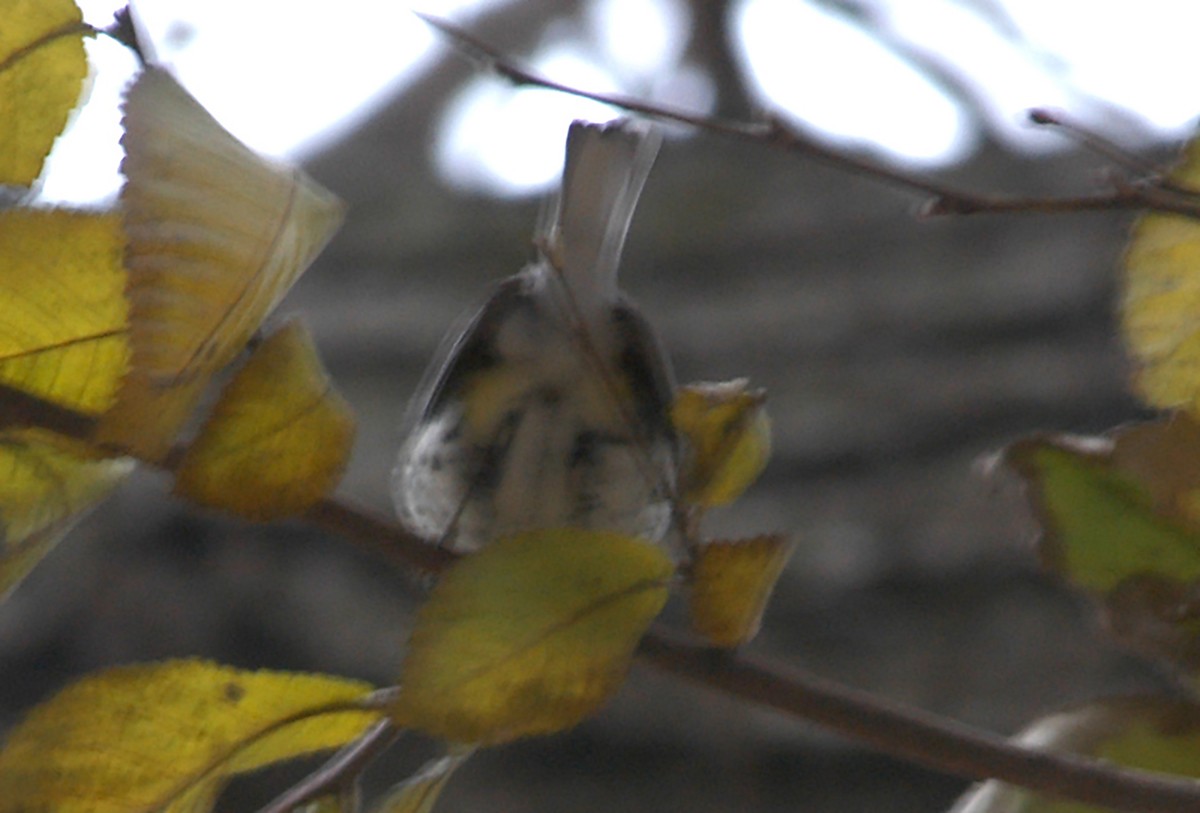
x=774, y=132
x=339, y=771
x=908, y=734
x=1093, y=141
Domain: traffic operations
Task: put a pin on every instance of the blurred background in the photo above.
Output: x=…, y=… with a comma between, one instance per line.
x=898, y=352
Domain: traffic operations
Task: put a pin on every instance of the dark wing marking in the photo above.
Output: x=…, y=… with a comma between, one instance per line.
x=465, y=351
x=644, y=360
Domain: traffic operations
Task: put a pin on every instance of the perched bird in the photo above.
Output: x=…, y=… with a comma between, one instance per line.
x=552, y=407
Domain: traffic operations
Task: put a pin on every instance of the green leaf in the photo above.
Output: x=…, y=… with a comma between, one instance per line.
x=1118, y=522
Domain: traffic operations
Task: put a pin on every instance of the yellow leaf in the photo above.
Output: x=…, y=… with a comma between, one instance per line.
x=164, y=737
x=46, y=484
x=731, y=583
x=42, y=68
x=216, y=237
x=727, y=439
x=1161, y=298
x=530, y=635
x=63, y=340
x=277, y=440
x=420, y=792
x=62, y=306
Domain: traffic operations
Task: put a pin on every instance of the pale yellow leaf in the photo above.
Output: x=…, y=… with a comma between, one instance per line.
x=46, y=484
x=277, y=440
x=1161, y=297
x=530, y=635
x=726, y=439
x=63, y=311
x=165, y=737
x=731, y=583
x=420, y=792
x=216, y=237
x=42, y=68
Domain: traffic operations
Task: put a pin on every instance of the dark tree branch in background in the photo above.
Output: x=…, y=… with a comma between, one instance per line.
x=932, y=65
x=710, y=45
x=908, y=734
x=942, y=199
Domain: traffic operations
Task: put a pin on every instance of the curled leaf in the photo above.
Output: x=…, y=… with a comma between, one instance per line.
x=165, y=737
x=1151, y=733
x=277, y=440
x=1161, y=297
x=42, y=68
x=731, y=583
x=727, y=439
x=530, y=635
x=216, y=237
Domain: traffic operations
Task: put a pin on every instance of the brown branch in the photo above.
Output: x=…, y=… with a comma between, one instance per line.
x=1124, y=197
x=916, y=736
x=776, y=133
x=377, y=536
x=19, y=409
x=912, y=735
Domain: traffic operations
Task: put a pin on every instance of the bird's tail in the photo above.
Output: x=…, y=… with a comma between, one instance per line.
x=605, y=170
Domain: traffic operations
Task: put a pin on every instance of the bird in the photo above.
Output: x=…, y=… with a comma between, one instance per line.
x=551, y=407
